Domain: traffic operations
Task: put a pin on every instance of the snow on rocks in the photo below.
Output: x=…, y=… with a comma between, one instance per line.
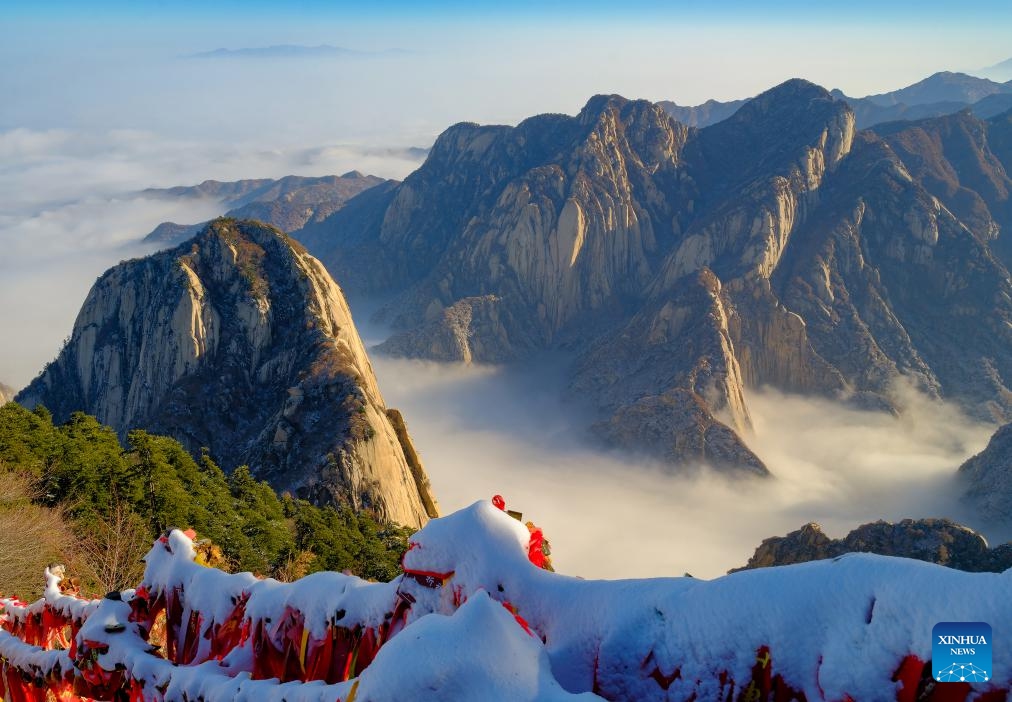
x=473, y=618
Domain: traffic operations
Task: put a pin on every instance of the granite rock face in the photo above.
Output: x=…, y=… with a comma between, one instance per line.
x=468, y=330
x=889, y=282
x=952, y=157
x=682, y=267
x=938, y=541
x=988, y=477
x=664, y=377
x=241, y=342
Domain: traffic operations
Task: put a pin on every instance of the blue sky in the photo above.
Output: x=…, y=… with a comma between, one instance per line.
x=687, y=51
x=905, y=10
x=119, y=64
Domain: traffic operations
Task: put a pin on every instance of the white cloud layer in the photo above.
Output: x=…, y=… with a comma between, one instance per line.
x=482, y=431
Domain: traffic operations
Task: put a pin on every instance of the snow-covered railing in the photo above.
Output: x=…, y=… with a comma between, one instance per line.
x=38, y=640
x=473, y=617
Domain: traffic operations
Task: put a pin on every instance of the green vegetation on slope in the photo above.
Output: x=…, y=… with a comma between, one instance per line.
x=109, y=502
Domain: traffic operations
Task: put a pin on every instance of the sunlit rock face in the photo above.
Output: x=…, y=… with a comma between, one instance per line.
x=239, y=341
x=681, y=266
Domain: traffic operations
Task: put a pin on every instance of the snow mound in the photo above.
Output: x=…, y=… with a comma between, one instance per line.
x=478, y=654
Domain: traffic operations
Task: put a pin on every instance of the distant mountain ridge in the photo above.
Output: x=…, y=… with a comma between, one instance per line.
x=239, y=341
x=945, y=86
x=939, y=94
x=1001, y=71
x=710, y=112
x=681, y=267
x=288, y=203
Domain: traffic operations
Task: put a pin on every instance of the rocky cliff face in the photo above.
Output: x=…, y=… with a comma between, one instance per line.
x=934, y=540
x=999, y=137
x=988, y=477
x=682, y=267
x=470, y=329
x=6, y=393
x=889, y=282
x=952, y=157
x=241, y=342
x=664, y=378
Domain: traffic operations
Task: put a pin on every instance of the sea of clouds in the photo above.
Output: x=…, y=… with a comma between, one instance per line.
x=483, y=430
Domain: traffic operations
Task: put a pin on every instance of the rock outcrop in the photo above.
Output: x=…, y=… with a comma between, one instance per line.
x=682, y=266
x=241, y=342
x=468, y=330
x=988, y=477
x=938, y=541
x=6, y=394
x=666, y=375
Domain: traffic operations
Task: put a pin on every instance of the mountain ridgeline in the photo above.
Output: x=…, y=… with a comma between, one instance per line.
x=682, y=267
x=288, y=203
x=939, y=94
x=239, y=341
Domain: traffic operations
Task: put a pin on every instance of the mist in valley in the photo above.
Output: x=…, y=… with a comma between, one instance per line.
x=484, y=430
